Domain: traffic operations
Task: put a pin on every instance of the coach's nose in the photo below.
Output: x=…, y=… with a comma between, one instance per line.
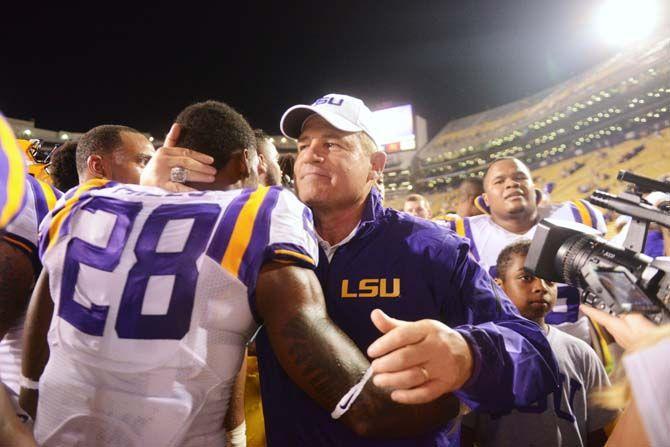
x=314, y=152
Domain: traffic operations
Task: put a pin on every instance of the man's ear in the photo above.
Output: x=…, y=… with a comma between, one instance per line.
x=262, y=165
x=377, y=162
x=486, y=199
x=237, y=168
x=245, y=163
x=498, y=281
x=96, y=166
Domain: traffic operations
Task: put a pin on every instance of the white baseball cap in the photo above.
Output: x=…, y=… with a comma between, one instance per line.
x=343, y=112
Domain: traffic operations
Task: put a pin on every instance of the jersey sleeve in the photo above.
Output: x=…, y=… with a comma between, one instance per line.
x=292, y=236
x=56, y=221
x=259, y=226
x=23, y=231
x=585, y=213
x=12, y=175
x=513, y=362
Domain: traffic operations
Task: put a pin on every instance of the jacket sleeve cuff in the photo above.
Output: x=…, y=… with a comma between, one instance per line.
x=470, y=385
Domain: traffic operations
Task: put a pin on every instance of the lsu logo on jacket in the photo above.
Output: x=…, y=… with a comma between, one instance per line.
x=371, y=288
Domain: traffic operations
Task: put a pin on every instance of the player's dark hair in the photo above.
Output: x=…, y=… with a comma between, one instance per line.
x=216, y=129
x=63, y=166
x=101, y=140
x=519, y=248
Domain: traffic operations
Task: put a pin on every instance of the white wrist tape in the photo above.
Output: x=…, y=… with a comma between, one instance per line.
x=28, y=384
x=350, y=397
x=237, y=437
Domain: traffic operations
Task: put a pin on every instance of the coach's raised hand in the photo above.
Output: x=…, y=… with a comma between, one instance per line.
x=420, y=360
x=197, y=165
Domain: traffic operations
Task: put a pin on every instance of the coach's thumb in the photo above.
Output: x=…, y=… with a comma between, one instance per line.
x=383, y=322
x=172, y=136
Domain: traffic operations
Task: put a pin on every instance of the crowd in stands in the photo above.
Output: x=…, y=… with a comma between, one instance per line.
x=626, y=98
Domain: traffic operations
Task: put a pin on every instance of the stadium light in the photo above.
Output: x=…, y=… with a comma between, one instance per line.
x=621, y=22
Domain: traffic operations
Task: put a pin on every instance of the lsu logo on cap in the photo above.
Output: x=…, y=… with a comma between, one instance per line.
x=329, y=100
x=371, y=288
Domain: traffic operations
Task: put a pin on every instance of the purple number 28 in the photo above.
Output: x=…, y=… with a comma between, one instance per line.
x=130, y=322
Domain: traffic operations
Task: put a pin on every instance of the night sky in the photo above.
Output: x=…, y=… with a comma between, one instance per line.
x=71, y=68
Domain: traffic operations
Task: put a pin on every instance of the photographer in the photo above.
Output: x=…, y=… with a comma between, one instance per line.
x=645, y=390
x=633, y=286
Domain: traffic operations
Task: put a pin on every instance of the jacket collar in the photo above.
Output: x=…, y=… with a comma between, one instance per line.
x=372, y=212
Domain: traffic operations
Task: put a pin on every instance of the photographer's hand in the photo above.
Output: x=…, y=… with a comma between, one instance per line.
x=626, y=329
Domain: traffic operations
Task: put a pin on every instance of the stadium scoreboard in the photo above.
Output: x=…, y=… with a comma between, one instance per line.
x=398, y=129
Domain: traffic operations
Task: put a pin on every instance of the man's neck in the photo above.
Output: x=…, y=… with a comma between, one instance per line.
x=334, y=225
x=543, y=325
x=517, y=224
x=86, y=177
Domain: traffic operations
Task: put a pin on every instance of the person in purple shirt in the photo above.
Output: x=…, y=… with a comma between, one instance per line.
x=373, y=257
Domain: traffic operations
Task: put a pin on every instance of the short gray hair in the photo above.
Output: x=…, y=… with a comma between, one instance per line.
x=367, y=144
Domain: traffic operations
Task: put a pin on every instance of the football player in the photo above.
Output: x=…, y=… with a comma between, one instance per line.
x=12, y=192
x=100, y=151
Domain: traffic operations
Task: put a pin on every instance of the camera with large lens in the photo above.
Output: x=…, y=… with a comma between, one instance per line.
x=617, y=279
x=613, y=278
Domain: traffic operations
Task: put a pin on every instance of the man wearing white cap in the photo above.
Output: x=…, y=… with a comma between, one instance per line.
x=373, y=257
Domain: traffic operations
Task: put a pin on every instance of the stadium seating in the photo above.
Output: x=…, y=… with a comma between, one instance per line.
x=602, y=167
x=599, y=172
x=615, y=103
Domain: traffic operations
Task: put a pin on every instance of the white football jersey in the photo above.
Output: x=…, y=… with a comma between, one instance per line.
x=22, y=232
x=154, y=304
x=487, y=240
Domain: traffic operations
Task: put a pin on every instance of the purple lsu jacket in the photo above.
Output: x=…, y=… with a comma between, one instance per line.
x=412, y=269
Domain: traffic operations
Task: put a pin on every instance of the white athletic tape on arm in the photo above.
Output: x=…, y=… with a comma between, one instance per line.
x=237, y=436
x=350, y=397
x=28, y=384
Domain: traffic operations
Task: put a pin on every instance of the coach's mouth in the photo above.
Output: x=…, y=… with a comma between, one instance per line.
x=315, y=173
